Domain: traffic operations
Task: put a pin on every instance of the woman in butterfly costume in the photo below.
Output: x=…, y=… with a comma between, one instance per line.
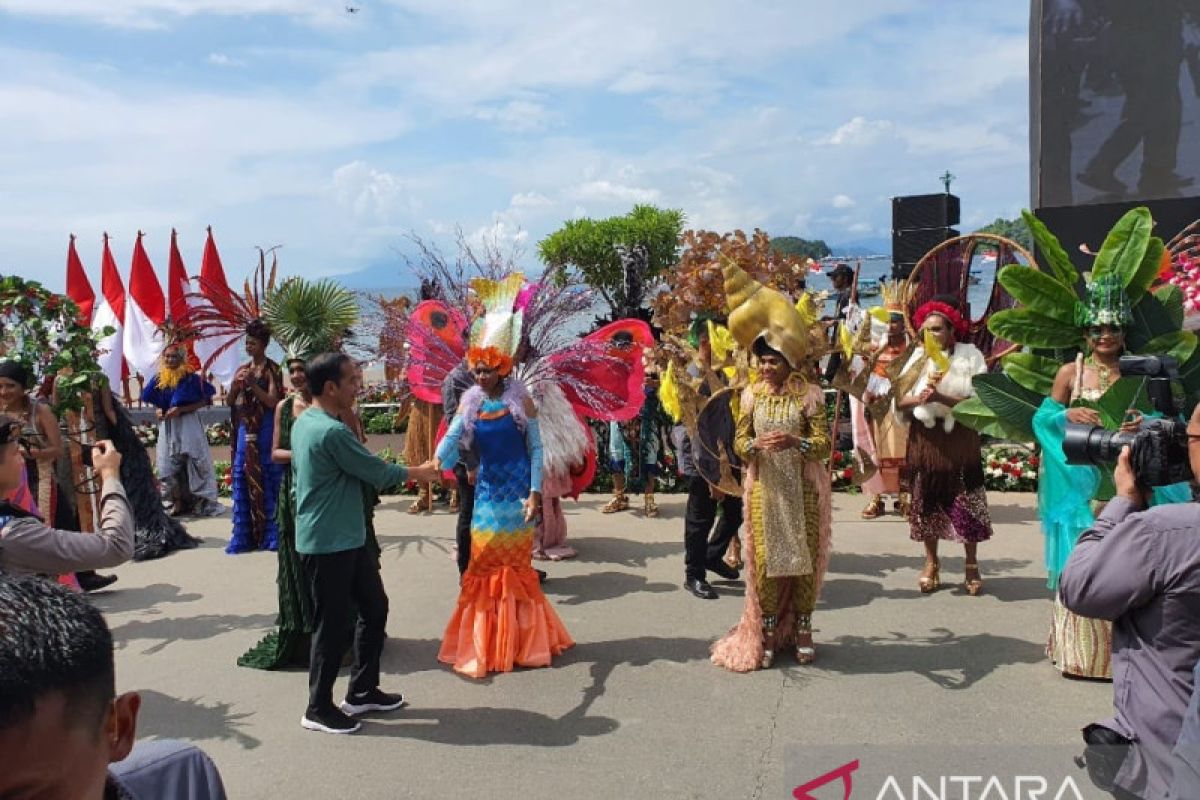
x=523, y=421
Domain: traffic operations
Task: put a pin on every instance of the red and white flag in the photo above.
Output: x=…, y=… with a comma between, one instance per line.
x=79, y=288
x=110, y=313
x=214, y=287
x=144, y=314
x=178, y=289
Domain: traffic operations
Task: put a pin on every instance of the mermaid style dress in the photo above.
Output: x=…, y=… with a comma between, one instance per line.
x=502, y=619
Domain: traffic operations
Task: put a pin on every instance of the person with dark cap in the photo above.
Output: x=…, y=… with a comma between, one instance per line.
x=842, y=278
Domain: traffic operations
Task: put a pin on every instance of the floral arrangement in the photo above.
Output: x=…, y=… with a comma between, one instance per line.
x=219, y=434
x=842, y=475
x=1010, y=468
x=147, y=434
x=224, y=470
x=43, y=330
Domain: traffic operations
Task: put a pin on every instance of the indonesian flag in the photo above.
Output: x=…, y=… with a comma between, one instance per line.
x=111, y=314
x=147, y=310
x=213, y=284
x=79, y=288
x=178, y=288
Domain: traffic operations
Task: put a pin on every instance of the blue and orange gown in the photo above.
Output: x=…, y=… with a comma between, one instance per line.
x=502, y=619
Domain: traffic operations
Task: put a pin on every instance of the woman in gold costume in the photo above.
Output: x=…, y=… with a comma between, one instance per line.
x=783, y=438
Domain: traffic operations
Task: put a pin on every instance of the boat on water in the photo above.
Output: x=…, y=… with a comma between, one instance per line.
x=868, y=287
x=973, y=278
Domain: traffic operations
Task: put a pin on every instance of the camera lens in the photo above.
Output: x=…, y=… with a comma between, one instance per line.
x=1087, y=444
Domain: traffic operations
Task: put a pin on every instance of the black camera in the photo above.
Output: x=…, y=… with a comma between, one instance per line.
x=1158, y=450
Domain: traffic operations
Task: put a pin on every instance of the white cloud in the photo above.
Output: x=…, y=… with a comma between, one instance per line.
x=529, y=200
x=518, y=116
x=843, y=201
x=222, y=60
x=373, y=194
x=605, y=191
x=158, y=13
x=859, y=131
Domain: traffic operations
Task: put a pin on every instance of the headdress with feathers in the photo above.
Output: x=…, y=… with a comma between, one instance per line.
x=228, y=316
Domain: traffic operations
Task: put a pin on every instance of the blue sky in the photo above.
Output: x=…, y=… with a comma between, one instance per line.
x=293, y=122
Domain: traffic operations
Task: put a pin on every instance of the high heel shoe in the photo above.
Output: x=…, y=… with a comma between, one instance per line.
x=768, y=631
x=733, y=552
x=620, y=502
x=874, y=508
x=805, y=653
x=651, y=506
x=973, y=585
x=930, y=579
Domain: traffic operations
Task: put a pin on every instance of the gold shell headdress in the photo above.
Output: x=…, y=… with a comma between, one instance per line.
x=758, y=311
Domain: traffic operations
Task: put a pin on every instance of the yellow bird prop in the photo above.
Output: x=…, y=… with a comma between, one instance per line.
x=880, y=313
x=935, y=353
x=846, y=340
x=668, y=394
x=721, y=341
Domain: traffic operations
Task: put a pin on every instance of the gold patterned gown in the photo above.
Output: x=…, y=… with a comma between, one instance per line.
x=786, y=543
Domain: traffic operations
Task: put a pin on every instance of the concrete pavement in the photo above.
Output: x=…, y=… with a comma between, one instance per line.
x=635, y=709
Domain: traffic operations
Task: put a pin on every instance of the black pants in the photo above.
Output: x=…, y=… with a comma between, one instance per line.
x=339, y=583
x=466, y=507
x=701, y=512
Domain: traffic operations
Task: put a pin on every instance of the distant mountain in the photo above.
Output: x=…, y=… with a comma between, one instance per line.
x=877, y=246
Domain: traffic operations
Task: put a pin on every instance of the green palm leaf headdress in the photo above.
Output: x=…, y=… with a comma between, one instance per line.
x=308, y=317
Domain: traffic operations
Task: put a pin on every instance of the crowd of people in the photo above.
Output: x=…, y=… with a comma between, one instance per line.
x=503, y=412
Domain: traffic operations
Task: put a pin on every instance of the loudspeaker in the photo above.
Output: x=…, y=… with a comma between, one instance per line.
x=910, y=246
x=925, y=211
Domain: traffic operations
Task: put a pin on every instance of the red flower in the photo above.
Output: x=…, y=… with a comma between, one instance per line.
x=837, y=456
x=847, y=474
x=1014, y=459
x=1034, y=461
x=993, y=465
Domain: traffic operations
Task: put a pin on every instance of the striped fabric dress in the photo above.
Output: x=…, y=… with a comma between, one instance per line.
x=502, y=619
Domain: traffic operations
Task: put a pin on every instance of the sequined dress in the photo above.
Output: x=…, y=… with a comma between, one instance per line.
x=787, y=532
x=501, y=620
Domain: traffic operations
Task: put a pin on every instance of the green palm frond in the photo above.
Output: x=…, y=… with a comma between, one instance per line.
x=310, y=317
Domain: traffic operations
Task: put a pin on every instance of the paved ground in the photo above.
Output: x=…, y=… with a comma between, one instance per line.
x=635, y=710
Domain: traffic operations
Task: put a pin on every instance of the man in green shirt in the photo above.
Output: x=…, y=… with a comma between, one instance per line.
x=329, y=466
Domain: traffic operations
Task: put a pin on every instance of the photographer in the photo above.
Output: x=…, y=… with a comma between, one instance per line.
x=1140, y=568
x=28, y=545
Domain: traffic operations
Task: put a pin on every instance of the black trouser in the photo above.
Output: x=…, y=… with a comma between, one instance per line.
x=698, y=550
x=466, y=507
x=339, y=583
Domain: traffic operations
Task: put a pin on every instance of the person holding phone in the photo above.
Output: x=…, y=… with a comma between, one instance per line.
x=29, y=545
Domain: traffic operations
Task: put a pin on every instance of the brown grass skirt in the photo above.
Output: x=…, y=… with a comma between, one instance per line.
x=945, y=472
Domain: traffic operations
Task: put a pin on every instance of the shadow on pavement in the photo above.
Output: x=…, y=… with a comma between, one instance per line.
x=473, y=727
x=166, y=630
x=166, y=717
x=396, y=545
x=880, y=566
x=949, y=660
x=626, y=552
x=592, y=587
x=145, y=599
x=838, y=593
